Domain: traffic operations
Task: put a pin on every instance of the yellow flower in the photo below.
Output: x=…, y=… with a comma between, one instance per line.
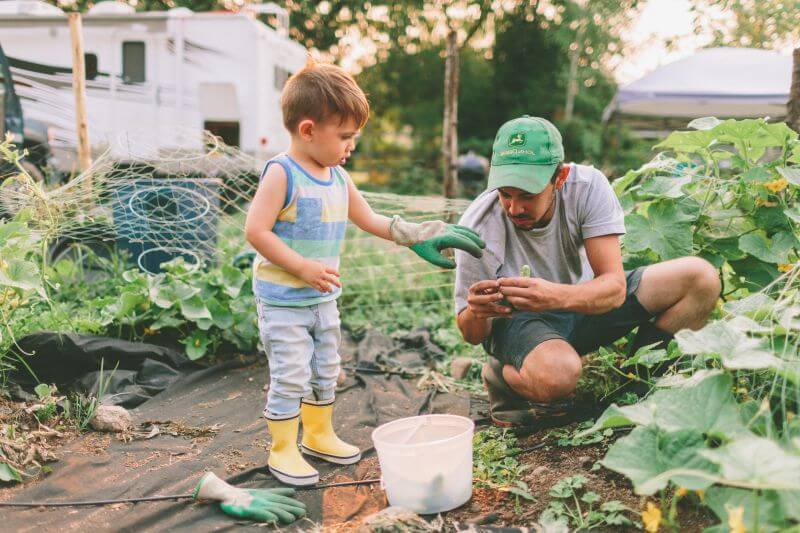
x=651, y=517
x=700, y=494
x=148, y=331
x=785, y=267
x=631, y=375
x=776, y=186
x=681, y=492
x=736, y=519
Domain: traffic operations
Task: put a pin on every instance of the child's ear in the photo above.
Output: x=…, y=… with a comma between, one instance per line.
x=306, y=129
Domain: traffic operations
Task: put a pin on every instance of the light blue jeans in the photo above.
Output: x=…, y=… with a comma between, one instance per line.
x=302, y=345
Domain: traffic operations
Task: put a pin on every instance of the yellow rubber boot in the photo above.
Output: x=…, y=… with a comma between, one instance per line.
x=285, y=461
x=320, y=440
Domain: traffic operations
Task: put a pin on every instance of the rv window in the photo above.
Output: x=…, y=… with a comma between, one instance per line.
x=133, y=62
x=90, y=61
x=281, y=75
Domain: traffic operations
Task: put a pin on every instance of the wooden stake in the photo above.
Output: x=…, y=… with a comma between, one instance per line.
x=450, y=125
x=793, y=107
x=79, y=88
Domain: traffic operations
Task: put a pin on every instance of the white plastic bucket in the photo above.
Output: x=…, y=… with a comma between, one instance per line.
x=426, y=461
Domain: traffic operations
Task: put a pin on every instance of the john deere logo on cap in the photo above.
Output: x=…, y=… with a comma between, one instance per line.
x=517, y=139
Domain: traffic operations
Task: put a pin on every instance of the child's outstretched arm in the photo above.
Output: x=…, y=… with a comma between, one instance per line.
x=426, y=239
x=267, y=203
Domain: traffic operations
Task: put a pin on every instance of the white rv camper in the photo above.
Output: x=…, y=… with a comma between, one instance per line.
x=156, y=79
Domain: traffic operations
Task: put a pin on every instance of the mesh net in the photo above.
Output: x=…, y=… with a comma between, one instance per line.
x=156, y=206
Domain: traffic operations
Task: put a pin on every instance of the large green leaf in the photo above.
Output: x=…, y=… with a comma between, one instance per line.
x=688, y=141
x=664, y=231
x=9, y=473
x=775, y=250
x=664, y=186
x=127, y=304
x=736, y=350
x=196, y=344
x=193, y=308
x=766, y=506
x=651, y=457
x=232, y=279
x=792, y=174
x=220, y=315
x=706, y=406
x=167, y=321
x=704, y=123
x=184, y=291
x=757, y=460
x=793, y=213
x=22, y=274
x=790, y=503
x=757, y=306
x=755, y=274
x=758, y=175
x=163, y=295
x=771, y=219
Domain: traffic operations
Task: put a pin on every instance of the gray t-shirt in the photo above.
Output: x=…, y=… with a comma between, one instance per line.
x=585, y=207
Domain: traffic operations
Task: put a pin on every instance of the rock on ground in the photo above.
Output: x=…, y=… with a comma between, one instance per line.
x=111, y=418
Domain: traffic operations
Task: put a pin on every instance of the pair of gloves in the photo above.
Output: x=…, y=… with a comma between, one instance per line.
x=428, y=239
x=260, y=505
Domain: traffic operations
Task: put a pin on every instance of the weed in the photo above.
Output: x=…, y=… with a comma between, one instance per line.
x=578, y=508
x=495, y=465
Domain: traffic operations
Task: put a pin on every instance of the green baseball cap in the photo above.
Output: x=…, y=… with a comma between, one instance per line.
x=525, y=154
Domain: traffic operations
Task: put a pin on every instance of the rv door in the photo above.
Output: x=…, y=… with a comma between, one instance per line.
x=219, y=105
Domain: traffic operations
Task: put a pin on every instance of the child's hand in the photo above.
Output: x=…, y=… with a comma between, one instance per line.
x=319, y=275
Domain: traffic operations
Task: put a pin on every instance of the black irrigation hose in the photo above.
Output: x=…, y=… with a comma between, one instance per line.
x=169, y=497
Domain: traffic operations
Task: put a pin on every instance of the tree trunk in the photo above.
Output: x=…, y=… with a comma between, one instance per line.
x=572, y=84
x=450, y=125
x=793, y=111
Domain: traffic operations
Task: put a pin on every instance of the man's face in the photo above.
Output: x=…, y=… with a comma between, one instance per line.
x=524, y=209
x=333, y=141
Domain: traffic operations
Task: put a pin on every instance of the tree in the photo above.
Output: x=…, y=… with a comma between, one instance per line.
x=749, y=23
x=793, y=107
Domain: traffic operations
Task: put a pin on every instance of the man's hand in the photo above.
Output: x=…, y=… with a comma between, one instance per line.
x=532, y=294
x=319, y=276
x=483, y=300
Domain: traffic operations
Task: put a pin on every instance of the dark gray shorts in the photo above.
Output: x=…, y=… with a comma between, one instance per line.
x=513, y=338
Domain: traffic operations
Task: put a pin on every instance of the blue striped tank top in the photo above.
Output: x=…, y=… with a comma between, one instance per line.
x=312, y=223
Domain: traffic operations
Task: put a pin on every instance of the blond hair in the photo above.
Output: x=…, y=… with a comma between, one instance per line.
x=320, y=91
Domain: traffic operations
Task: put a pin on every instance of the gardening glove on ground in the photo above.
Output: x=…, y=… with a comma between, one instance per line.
x=319, y=438
x=428, y=239
x=285, y=461
x=262, y=505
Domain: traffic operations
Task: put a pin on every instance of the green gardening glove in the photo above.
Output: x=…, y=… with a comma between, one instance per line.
x=261, y=505
x=428, y=239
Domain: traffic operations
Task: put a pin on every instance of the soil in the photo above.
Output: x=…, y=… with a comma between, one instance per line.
x=549, y=464
x=344, y=508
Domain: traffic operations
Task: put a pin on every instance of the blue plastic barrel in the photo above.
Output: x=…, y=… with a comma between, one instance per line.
x=159, y=219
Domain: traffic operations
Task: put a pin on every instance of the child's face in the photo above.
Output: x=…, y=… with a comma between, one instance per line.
x=331, y=142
